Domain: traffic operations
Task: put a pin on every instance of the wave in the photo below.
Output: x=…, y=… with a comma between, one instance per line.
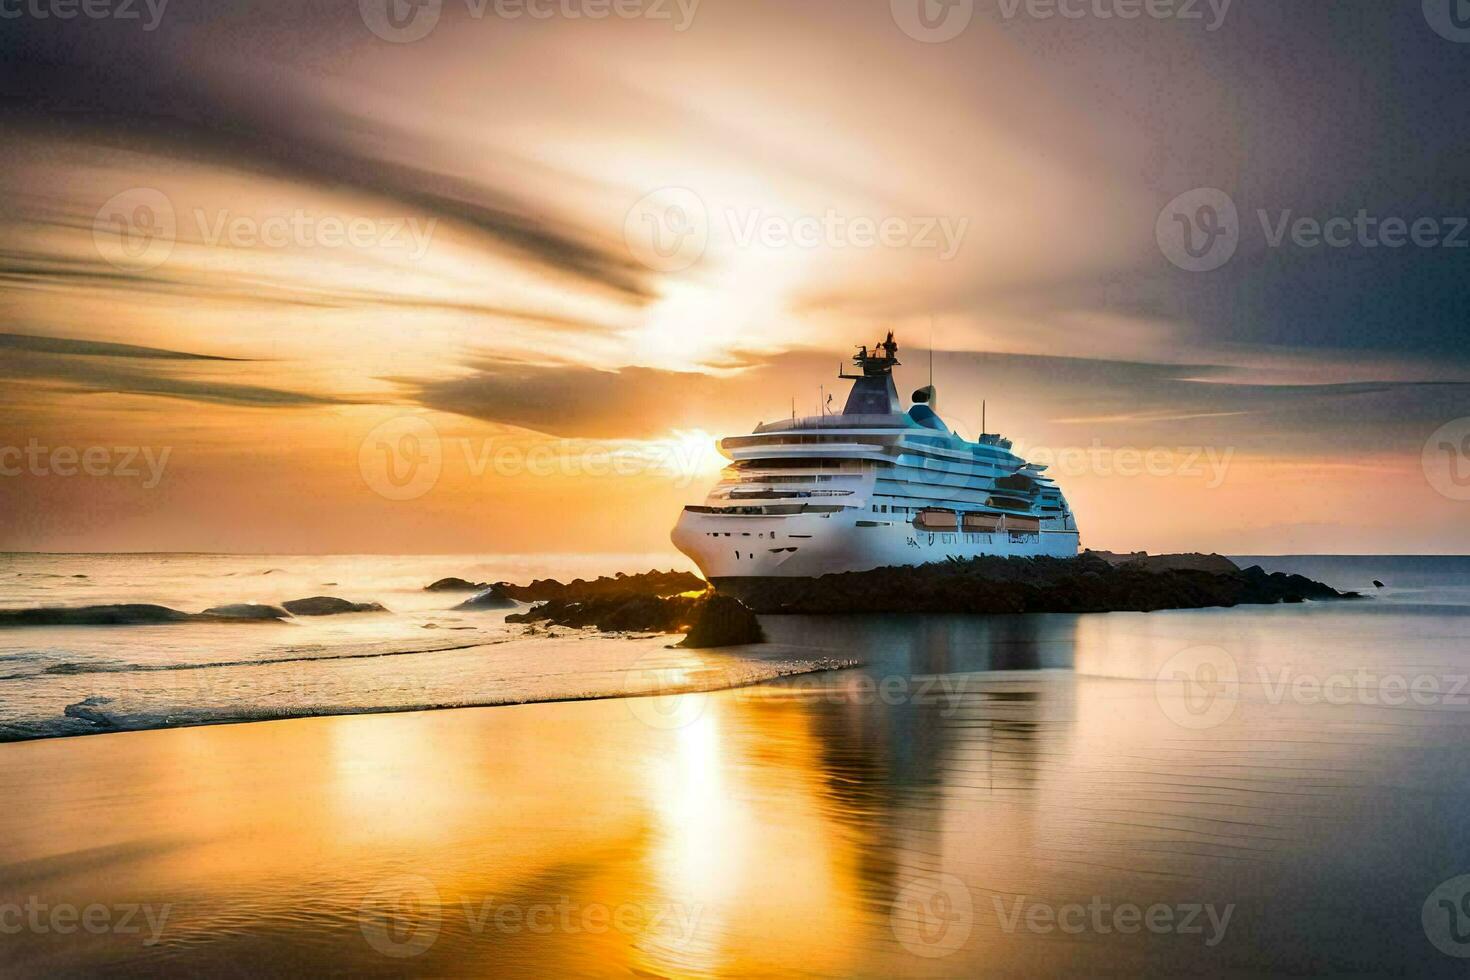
x=96, y=715
x=68, y=668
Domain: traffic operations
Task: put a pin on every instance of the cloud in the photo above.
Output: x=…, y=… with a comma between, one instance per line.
x=1042, y=400
x=287, y=134
x=579, y=402
x=93, y=367
x=20, y=269
x=97, y=348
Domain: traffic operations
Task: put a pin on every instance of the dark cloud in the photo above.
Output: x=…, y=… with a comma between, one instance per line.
x=156, y=107
x=578, y=402
x=95, y=367
x=1046, y=400
x=96, y=348
x=1306, y=109
x=32, y=270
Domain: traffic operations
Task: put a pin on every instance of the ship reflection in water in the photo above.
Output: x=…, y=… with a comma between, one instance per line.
x=990, y=795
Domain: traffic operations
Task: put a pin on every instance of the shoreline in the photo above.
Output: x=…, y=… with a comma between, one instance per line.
x=825, y=665
x=97, y=696
x=772, y=671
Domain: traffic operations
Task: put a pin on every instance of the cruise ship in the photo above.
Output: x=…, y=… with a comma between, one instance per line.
x=871, y=486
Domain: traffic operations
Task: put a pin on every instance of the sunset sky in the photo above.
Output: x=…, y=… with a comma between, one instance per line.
x=498, y=288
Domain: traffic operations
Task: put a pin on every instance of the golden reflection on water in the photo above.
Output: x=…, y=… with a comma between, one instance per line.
x=254, y=830
x=716, y=844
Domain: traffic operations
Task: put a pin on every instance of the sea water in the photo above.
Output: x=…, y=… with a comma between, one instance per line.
x=1221, y=792
x=421, y=652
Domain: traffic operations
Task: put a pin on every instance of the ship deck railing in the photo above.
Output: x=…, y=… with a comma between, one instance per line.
x=836, y=422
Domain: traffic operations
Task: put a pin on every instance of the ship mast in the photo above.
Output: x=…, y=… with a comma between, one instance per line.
x=881, y=361
x=873, y=392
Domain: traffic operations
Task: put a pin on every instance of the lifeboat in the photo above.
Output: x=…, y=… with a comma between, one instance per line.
x=935, y=519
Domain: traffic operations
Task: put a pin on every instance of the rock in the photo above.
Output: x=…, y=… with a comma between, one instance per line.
x=654, y=583
x=723, y=621
x=491, y=597
x=246, y=610
x=324, y=605
x=1114, y=558
x=1194, y=561
x=1087, y=583
x=453, y=584
x=710, y=619
x=127, y=614
x=629, y=613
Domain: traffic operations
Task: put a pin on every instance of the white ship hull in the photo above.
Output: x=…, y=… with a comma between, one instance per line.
x=809, y=545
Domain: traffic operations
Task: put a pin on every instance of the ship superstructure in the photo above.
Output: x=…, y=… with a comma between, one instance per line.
x=871, y=486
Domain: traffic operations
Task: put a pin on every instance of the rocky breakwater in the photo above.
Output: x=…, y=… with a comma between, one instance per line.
x=506, y=595
x=1091, y=582
x=652, y=602
x=607, y=586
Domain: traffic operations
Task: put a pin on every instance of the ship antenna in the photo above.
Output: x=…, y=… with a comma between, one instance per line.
x=931, y=350
x=982, y=416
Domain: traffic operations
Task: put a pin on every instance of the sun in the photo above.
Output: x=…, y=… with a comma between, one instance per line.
x=692, y=453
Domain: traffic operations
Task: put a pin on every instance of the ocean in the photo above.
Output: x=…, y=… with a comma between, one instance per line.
x=421, y=653
x=1225, y=792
